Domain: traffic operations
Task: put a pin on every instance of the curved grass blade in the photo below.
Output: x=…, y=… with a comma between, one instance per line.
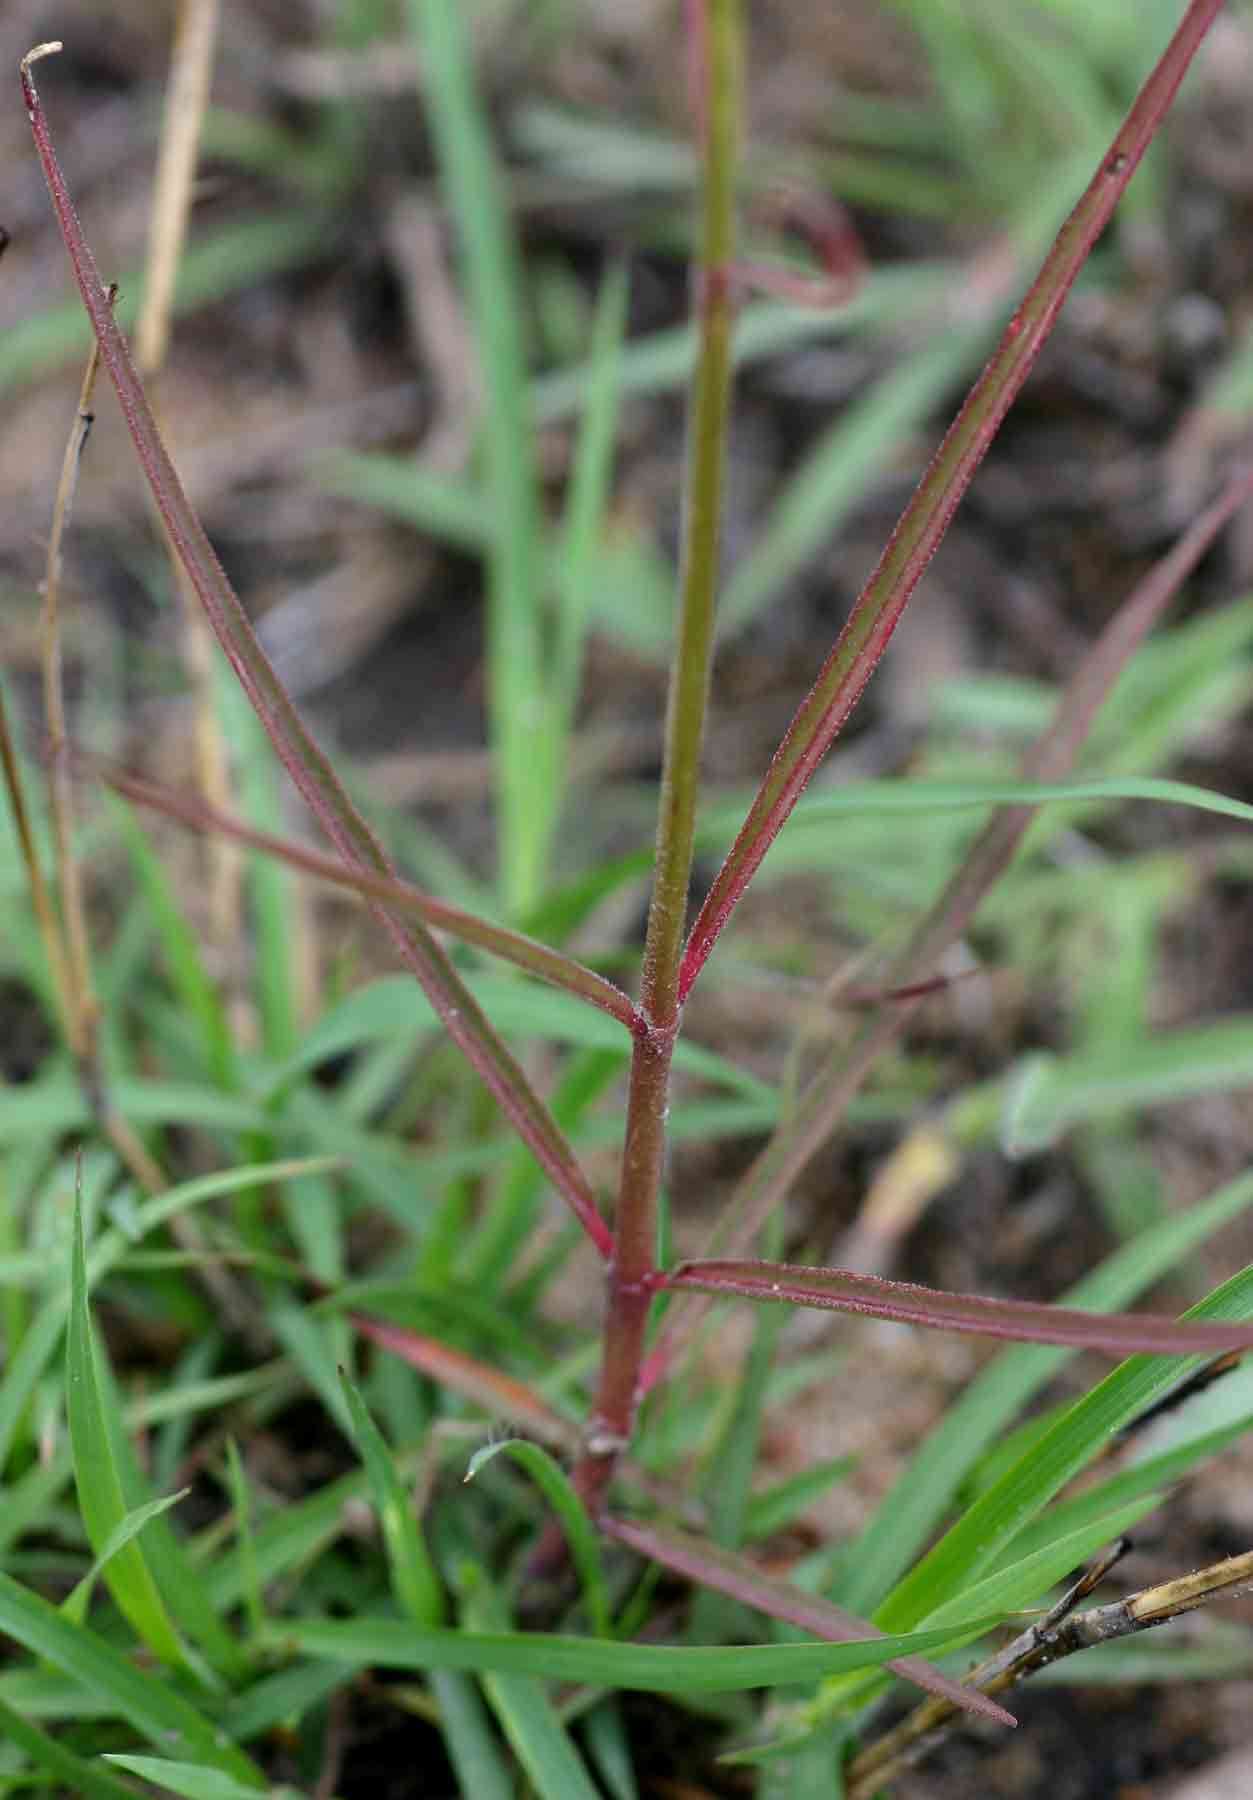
x=840, y=1290
x=555, y=1485
x=156, y=1709
x=739, y=1578
x=647, y=1668
x=414, y=1576
x=304, y=761
x=96, y=1476
x=191, y=1780
x=926, y=519
x=74, y=1606
x=526, y=1714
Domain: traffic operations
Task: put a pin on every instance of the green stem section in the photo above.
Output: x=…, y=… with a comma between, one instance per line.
x=643, y=1155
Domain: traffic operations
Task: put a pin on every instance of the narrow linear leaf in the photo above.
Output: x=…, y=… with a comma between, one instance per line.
x=97, y=1478
x=555, y=1485
x=511, y=946
x=839, y=1290
x=743, y=1581
x=304, y=761
x=75, y=1773
x=190, y=1779
x=926, y=519
x=75, y=1604
x=414, y=1576
x=649, y=1668
x=154, y=1708
x=499, y=1394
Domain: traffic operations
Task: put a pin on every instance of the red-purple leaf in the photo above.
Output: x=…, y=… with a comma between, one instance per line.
x=926, y=519
x=1021, y=1321
x=497, y=1393
x=303, y=759
x=736, y=1576
x=537, y=959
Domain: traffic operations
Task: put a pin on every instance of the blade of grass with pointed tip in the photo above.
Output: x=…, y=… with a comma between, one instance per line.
x=648, y=1668
x=191, y=1780
x=301, y=756
x=96, y=1476
x=925, y=521
x=556, y=1487
x=74, y=1606
x=742, y=1580
x=415, y=1579
x=156, y=1709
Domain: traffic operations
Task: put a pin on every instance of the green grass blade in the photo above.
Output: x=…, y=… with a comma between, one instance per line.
x=587, y=503
x=74, y=1606
x=1008, y=1507
x=555, y=1485
x=650, y=1668
x=191, y=1780
x=472, y=1746
x=237, y=257
x=197, y=994
x=96, y=1476
x=155, y=1708
x=415, y=1579
x=1049, y=1094
x=526, y=1715
x=776, y=1507
x=245, y=1549
x=841, y=468
x=74, y=1773
x=518, y=701
x=918, y=1500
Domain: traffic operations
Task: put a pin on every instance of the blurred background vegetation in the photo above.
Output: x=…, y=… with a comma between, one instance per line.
x=332, y=414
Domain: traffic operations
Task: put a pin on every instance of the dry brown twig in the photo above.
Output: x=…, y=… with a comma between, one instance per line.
x=1060, y=1633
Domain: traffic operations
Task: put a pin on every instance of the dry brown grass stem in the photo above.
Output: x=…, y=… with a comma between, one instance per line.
x=1060, y=1633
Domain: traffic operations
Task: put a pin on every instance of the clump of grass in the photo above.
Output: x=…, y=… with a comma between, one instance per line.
x=267, y=1619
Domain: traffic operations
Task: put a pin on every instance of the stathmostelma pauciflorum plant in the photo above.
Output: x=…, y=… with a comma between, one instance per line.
x=519, y=1610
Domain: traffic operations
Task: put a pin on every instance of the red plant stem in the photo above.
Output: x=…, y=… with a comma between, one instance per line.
x=301, y=756
x=926, y=519
x=635, y=1250
x=1050, y=758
